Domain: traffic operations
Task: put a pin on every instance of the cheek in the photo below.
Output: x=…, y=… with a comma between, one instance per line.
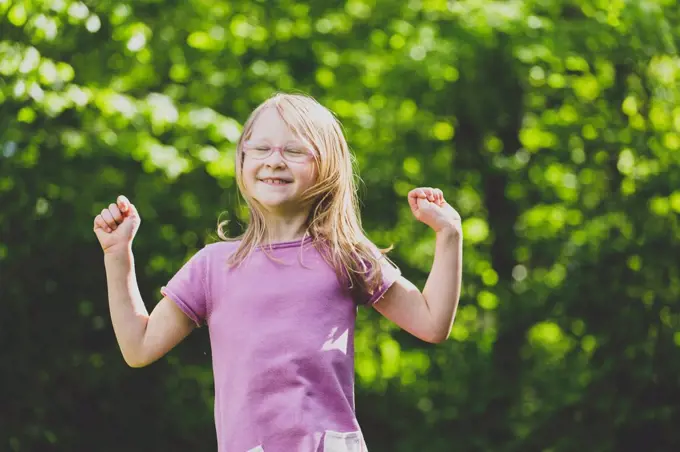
x=248, y=174
x=249, y=170
x=309, y=175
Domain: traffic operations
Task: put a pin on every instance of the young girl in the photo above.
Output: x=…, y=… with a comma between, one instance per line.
x=280, y=301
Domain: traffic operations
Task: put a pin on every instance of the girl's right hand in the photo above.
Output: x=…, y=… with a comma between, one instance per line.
x=116, y=226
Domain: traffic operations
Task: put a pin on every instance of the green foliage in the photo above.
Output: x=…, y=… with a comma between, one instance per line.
x=552, y=126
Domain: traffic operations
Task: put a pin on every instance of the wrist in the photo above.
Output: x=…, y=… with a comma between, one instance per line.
x=119, y=254
x=452, y=231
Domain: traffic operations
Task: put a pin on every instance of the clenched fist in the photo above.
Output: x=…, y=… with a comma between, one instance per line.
x=116, y=226
x=429, y=206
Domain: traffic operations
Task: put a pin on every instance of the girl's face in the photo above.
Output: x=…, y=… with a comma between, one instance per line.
x=278, y=167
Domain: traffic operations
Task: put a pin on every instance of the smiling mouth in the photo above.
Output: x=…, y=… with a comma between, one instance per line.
x=275, y=181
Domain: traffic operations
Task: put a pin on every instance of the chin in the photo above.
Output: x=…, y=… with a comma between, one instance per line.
x=272, y=203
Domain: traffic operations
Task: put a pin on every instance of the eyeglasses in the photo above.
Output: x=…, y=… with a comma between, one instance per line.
x=292, y=154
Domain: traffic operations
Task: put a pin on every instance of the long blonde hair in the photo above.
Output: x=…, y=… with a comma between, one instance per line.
x=334, y=223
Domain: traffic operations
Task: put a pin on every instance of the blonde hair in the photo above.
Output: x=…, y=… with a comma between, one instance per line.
x=334, y=223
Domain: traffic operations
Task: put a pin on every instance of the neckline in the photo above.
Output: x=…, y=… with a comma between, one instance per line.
x=288, y=244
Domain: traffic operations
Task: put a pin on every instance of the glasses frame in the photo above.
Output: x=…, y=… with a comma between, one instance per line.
x=247, y=146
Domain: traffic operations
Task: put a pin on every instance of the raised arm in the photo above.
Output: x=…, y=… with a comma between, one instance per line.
x=142, y=338
x=429, y=315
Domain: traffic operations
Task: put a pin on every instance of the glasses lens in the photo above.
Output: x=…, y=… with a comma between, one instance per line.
x=259, y=152
x=296, y=155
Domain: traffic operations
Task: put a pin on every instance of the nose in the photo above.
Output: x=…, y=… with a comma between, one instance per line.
x=276, y=157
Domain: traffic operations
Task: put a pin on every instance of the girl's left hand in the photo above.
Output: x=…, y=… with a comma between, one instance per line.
x=428, y=206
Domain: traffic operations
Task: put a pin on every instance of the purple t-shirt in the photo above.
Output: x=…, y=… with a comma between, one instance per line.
x=282, y=340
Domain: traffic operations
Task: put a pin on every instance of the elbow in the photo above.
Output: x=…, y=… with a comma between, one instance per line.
x=437, y=336
x=439, y=333
x=440, y=330
x=136, y=362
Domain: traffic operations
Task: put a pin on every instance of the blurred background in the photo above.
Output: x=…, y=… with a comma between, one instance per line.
x=553, y=126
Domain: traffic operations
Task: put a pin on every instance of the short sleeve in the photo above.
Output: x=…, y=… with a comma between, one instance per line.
x=390, y=274
x=188, y=288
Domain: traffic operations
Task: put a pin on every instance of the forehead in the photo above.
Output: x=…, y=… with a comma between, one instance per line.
x=271, y=127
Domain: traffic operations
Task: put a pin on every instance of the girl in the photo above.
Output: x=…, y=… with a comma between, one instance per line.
x=281, y=300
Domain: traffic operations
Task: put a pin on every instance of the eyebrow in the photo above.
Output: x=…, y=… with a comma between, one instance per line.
x=288, y=143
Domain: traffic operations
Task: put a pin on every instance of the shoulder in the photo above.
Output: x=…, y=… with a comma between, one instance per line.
x=372, y=250
x=210, y=252
x=218, y=250
x=221, y=246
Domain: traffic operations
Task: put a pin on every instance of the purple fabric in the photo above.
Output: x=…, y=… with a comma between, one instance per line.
x=282, y=339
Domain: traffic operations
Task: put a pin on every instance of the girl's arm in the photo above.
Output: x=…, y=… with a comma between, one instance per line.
x=142, y=338
x=429, y=315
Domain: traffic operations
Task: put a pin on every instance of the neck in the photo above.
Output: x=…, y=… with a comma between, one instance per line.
x=285, y=228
